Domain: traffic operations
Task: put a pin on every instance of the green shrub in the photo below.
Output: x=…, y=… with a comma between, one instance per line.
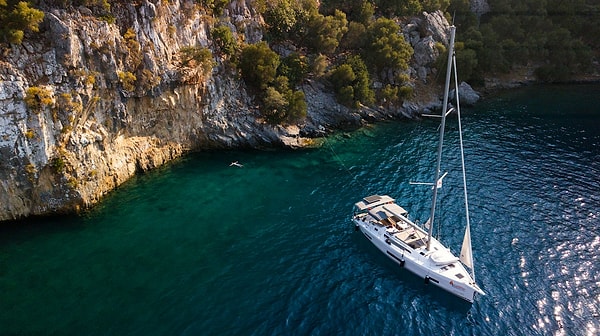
x=324, y=33
x=224, y=39
x=386, y=47
x=294, y=67
x=37, y=98
x=355, y=38
x=342, y=75
x=127, y=80
x=389, y=94
x=259, y=64
x=58, y=164
x=197, y=57
x=466, y=61
x=319, y=65
x=280, y=17
x=274, y=105
x=405, y=92
x=297, y=108
x=362, y=90
x=16, y=18
x=345, y=95
x=352, y=83
x=214, y=7
x=400, y=8
x=356, y=10
x=95, y=5
x=281, y=104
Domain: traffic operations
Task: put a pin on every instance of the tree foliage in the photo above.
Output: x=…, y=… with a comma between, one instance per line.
x=224, y=39
x=281, y=18
x=386, y=47
x=324, y=33
x=356, y=10
x=351, y=81
x=260, y=67
x=294, y=67
x=16, y=18
x=197, y=57
x=214, y=7
x=282, y=104
x=554, y=36
x=258, y=64
x=286, y=18
x=400, y=8
x=355, y=38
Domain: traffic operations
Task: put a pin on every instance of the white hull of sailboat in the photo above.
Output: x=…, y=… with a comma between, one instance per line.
x=441, y=273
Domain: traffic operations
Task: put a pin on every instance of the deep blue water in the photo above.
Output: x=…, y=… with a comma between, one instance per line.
x=202, y=248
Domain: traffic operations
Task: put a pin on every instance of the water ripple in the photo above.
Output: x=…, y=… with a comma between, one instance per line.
x=200, y=248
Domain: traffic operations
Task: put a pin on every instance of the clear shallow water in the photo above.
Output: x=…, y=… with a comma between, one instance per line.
x=201, y=248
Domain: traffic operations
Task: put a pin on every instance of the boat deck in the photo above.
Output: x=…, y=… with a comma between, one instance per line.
x=412, y=238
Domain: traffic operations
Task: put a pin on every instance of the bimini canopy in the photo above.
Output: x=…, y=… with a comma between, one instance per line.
x=384, y=211
x=373, y=201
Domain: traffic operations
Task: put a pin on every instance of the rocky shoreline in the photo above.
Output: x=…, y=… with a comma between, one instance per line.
x=87, y=133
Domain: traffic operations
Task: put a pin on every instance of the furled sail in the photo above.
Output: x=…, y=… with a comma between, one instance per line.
x=466, y=254
x=427, y=224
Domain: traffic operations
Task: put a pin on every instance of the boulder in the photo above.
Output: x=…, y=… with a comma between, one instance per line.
x=467, y=95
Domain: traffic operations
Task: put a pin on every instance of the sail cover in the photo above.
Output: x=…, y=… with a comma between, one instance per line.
x=466, y=254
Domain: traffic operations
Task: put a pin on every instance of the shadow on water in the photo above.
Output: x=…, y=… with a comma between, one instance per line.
x=29, y=228
x=44, y=225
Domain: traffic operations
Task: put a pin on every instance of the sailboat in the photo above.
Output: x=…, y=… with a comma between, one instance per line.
x=387, y=225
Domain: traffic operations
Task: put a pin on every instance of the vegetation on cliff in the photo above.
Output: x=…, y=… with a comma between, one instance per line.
x=357, y=45
x=351, y=54
x=16, y=18
x=94, y=91
x=362, y=46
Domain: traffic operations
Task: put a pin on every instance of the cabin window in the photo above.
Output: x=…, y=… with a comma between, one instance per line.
x=460, y=276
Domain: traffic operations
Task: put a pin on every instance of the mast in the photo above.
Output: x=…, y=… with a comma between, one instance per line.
x=441, y=143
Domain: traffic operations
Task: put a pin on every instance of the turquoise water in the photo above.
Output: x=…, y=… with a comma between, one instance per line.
x=202, y=248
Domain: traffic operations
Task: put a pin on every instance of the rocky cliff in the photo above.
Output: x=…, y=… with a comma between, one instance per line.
x=73, y=127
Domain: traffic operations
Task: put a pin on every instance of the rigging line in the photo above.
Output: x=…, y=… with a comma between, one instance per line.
x=442, y=127
x=339, y=159
x=462, y=158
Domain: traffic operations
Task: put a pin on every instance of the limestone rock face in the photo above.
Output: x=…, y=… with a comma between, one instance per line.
x=436, y=26
x=87, y=104
x=82, y=131
x=423, y=33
